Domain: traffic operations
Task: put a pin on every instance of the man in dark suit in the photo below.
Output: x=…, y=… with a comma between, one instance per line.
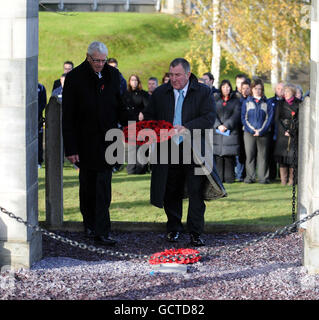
x=188, y=105
x=209, y=81
x=91, y=106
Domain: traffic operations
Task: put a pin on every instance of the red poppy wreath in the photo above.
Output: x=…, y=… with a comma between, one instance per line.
x=148, y=132
x=181, y=256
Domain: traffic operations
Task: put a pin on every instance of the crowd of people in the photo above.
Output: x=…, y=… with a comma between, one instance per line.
x=254, y=138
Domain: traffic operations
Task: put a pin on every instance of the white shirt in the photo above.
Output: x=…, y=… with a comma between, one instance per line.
x=176, y=93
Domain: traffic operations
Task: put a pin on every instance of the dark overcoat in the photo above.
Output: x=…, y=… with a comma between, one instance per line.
x=229, y=116
x=286, y=119
x=198, y=112
x=90, y=107
x=135, y=102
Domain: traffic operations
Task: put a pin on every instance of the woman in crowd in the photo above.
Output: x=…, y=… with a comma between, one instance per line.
x=286, y=122
x=135, y=100
x=299, y=93
x=165, y=78
x=226, y=138
x=256, y=117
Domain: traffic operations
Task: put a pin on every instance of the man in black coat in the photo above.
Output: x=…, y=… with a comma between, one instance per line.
x=167, y=184
x=91, y=106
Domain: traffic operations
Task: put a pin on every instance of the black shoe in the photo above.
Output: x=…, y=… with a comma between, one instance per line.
x=89, y=233
x=196, y=241
x=249, y=181
x=173, y=236
x=104, y=240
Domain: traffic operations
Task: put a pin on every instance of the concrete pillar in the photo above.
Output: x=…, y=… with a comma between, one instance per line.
x=176, y=7
x=303, y=154
x=19, y=246
x=53, y=163
x=311, y=237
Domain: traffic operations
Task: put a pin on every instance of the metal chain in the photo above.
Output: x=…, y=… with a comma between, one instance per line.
x=285, y=230
x=92, y=248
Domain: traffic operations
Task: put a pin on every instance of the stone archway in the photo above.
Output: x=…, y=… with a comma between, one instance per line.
x=308, y=200
x=21, y=247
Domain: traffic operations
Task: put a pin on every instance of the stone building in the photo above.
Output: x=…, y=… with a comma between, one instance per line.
x=20, y=246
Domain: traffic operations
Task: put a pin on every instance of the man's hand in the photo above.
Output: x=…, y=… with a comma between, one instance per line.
x=179, y=129
x=256, y=133
x=140, y=116
x=222, y=128
x=74, y=158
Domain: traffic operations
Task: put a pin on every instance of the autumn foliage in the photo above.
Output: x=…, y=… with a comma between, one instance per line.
x=256, y=36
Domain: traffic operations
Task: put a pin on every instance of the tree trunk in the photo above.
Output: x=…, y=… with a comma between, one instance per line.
x=216, y=50
x=274, y=60
x=285, y=67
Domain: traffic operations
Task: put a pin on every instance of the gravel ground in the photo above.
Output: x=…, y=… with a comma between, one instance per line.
x=270, y=270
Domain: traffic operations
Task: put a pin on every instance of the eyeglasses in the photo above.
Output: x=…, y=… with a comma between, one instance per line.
x=97, y=60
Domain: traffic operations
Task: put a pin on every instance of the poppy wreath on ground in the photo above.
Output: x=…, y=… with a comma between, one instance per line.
x=148, y=132
x=182, y=256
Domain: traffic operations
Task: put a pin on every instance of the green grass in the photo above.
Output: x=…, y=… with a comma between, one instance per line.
x=246, y=204
x=143, y=43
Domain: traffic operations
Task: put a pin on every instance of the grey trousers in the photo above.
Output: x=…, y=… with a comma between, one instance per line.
x=256, y=149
